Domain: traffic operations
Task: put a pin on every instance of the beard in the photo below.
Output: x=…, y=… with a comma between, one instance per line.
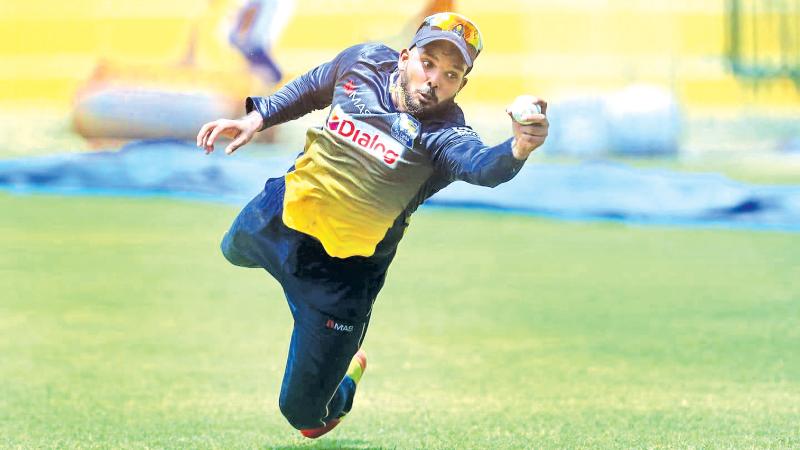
x=413, y=106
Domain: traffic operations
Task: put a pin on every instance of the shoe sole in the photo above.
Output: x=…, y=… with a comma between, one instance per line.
x=313, y=433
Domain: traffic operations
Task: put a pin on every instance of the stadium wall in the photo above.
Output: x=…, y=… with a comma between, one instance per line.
x=50, y=47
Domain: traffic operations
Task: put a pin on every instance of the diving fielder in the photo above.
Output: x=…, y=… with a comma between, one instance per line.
x=329, y=228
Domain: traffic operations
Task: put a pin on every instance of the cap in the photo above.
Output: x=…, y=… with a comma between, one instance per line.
x=452, y=27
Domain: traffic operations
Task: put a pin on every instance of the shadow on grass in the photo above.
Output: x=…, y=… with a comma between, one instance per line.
x=339, y=444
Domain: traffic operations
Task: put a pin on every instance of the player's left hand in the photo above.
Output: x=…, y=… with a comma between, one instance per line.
x=531, y=136
x=241, y=131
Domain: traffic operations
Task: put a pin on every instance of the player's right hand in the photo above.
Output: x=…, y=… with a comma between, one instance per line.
x=531, y=134
x=240, y=130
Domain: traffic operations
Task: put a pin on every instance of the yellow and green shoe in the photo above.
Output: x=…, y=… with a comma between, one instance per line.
x=357, y=366
x=355, y=371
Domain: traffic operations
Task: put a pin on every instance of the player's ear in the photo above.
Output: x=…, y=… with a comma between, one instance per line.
x=402, y=61
x=463, y=83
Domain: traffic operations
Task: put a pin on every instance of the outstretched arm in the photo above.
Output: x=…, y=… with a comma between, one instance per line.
x=311, y=91
x=461, y=155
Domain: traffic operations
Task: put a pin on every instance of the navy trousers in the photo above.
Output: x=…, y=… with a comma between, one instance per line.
x=315, y=388
x=330, y=315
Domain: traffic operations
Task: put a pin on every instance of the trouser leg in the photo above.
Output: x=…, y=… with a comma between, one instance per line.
x=315, y=389
x=257, y=237
x=233, y=254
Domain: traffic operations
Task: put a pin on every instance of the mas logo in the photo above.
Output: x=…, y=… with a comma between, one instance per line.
x=363, y=136
x=333, y=325
x=349, y=87
x=351, y=90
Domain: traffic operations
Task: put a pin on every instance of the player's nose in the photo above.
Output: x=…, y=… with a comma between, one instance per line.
x=433, y=80
x=432, y=86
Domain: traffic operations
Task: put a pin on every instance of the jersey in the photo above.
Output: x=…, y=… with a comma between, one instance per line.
x=369, y=166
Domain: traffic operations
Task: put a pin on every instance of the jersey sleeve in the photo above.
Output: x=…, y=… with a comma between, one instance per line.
x=459, y=154
x=311, y=91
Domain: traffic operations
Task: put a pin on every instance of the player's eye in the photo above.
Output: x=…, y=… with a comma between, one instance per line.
x=452, y=75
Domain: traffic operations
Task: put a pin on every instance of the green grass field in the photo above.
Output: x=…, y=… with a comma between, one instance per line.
x=121, y=326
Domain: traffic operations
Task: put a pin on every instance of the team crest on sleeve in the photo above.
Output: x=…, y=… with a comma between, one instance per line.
x=465, y=131
x=405, y=129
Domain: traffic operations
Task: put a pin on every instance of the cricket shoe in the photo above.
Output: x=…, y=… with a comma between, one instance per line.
x=313, y=433
x=357, y=366
x=355, y=371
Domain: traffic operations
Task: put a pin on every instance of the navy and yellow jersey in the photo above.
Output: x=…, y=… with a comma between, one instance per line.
x=369, y=166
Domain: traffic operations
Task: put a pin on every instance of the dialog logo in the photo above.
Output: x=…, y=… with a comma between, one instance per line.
x=364, y=136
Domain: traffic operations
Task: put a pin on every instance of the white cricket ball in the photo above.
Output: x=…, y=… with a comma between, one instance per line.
x=524, y=106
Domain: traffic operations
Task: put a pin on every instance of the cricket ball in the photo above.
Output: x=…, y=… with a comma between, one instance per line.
x=524, y=106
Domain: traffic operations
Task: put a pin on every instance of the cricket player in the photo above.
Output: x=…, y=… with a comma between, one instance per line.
x=329, y=228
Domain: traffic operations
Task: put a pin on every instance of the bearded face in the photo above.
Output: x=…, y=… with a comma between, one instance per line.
x=430, y=78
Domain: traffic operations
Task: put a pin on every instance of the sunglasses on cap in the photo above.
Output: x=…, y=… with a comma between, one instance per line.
x=457, y=24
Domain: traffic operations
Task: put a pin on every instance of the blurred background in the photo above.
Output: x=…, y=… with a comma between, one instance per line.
x=706, y=86
x=682, y=79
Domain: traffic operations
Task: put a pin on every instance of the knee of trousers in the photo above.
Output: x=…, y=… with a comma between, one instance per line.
x=232, y=254
x=299, y=414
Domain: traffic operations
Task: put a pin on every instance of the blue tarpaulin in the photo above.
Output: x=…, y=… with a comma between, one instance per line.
x=587, y=191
